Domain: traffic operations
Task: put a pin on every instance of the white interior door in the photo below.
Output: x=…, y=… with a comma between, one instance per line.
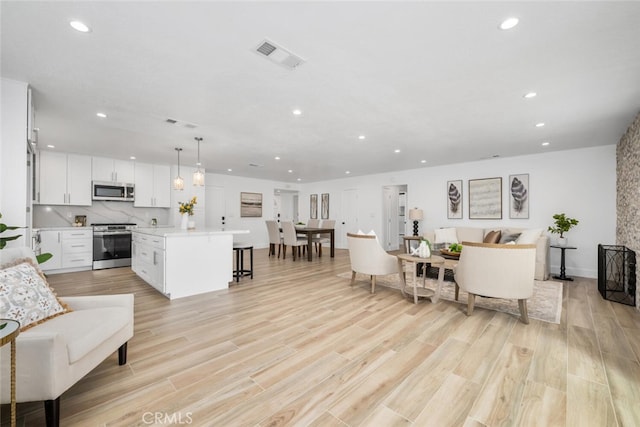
x=349, y=221
x=215, y=210
x=390, y=218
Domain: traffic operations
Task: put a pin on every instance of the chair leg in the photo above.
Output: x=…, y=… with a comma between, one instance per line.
x=524, y=315
x=373, y=284
x=457, y=291
x=284, y=252
x=52, y=412
x=122, y=354
x=470, y=303
x=279, y=251
x=353, y=278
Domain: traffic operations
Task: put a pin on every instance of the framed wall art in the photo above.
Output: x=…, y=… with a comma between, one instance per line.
x=485, y=198
x=519, y=196
x=251, y=205
x=313, y=206
x=324, y=206
x=454, y=199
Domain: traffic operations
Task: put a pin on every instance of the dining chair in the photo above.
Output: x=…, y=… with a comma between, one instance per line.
x=314, y=223
x=291, y=239
x=274, y=237
x=320, y=240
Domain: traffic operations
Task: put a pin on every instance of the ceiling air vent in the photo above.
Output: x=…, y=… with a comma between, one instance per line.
x=278, y=54
x=181, y=123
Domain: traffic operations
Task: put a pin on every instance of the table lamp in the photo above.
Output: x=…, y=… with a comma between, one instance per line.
x=415, y=215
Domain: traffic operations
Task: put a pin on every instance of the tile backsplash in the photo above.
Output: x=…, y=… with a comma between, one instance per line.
x=99, y=212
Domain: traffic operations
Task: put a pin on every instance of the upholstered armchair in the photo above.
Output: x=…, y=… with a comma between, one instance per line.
x=368, y=257
x=52, y=356
x=498, y=271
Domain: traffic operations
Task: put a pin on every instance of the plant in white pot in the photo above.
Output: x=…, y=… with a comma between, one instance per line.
x=562, y=225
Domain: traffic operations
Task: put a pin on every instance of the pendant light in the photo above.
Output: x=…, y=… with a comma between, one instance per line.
x=198, y=175
x=178, y=182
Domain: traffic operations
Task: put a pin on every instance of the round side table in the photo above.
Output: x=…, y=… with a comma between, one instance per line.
x=8, y=333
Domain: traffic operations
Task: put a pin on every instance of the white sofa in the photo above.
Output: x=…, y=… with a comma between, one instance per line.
x=476, y=234
x=54, y=355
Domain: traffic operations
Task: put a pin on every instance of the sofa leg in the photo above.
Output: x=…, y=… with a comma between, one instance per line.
x=524, y=315
x=122, y=354
x=52, y=412
x=353, y=277
x=471, y=300
x=373, y=284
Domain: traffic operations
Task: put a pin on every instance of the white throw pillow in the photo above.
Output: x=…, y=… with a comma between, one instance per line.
x=446, y=235
x=529, y=237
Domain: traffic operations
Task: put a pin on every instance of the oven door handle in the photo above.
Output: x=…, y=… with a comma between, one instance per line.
x=111, y=233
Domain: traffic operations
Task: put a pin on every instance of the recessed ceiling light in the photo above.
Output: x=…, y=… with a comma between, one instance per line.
x=101, y=115
x=229, y=170
x=509, y=23
x=347, y=172
x=396, y=150
x=132, y=158
x=423, y=161
x=361, y=137
x=544, y=144
x=299, y=179
x=296, y=112
x=530, y=95
x=290, y=171
x=277, y=158
x=539, y=125
x=79, y=26
x=51, y=146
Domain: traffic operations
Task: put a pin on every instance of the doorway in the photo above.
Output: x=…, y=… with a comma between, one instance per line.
x=394, y=219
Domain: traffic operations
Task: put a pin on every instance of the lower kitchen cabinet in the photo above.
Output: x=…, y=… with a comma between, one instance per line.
x=72, y=249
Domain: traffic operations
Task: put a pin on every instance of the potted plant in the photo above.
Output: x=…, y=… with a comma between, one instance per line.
x=4, y=239
x=562, y=225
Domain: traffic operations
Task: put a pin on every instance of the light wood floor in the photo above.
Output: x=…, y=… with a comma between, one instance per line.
x=297, y=346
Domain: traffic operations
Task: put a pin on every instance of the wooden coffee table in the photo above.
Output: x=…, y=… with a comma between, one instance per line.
x=434, y=294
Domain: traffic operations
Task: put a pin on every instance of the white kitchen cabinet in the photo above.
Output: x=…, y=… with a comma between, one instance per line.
x=71, y=249
x=77, y=248
x=147, y=259
x=51, y=242
x=152, y=186
x=65, y=179
x=112, y=170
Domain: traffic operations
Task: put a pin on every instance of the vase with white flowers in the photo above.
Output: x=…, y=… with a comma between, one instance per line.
x=186, y=210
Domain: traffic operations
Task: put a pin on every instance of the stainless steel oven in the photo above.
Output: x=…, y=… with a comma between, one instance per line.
x=112, y=245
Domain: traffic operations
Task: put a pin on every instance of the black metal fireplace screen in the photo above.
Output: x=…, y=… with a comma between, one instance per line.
x=617, y=274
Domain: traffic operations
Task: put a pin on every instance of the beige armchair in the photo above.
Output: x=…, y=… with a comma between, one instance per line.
x=54, y=355
x=498, y=271
x=368, y=257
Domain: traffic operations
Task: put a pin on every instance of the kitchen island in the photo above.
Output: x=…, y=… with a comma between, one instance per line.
x=181, y=263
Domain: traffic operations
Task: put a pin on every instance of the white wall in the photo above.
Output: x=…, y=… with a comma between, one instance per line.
x=580, y=183
x=233, y=186
x=13, y=157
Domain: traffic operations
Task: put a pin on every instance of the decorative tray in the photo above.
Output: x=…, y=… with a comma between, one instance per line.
x=450, y=254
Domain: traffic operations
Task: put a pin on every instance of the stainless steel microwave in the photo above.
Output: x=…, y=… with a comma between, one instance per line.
x=116, y=191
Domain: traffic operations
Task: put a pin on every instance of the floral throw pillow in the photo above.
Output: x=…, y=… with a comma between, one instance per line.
x=25, y=296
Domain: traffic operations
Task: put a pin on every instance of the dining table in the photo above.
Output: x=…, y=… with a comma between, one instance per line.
x=311, y=231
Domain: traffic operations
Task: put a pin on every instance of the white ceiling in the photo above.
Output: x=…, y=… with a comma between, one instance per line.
x=438, y=81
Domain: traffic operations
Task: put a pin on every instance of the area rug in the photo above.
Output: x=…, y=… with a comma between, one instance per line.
x=545, y=304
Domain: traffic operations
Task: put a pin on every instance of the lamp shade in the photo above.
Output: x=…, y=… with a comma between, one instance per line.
x=416, y=214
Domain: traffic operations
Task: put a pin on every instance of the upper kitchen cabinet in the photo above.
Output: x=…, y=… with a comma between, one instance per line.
x=65, y=179
x=153, y=186
x=112, y=170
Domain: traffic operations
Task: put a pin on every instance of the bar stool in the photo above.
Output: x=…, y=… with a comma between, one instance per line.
x=240, y=271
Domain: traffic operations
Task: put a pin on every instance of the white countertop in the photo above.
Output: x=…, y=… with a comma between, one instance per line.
x=178, y=232
x=62, y=227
